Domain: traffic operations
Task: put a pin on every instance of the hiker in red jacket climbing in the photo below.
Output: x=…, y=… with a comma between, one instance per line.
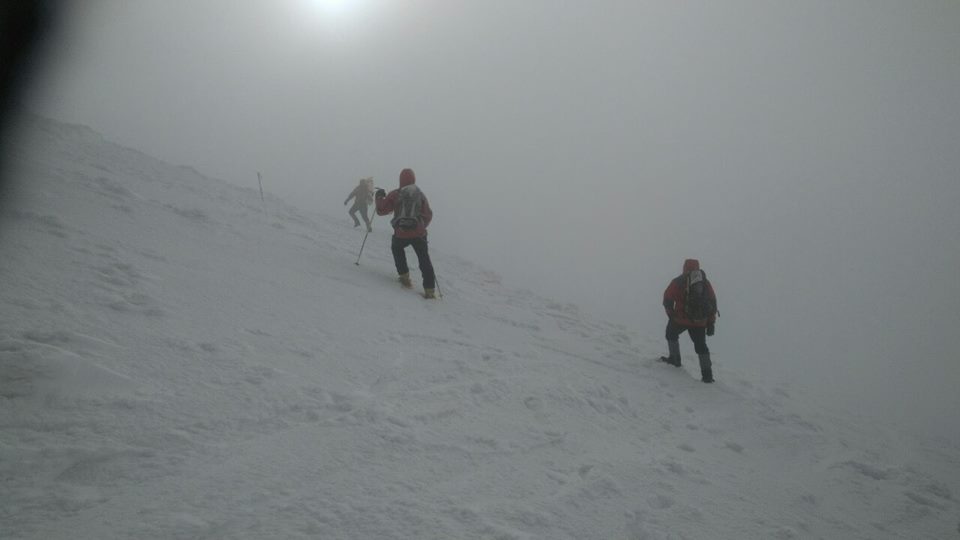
x=411, y=216
x=691, y=306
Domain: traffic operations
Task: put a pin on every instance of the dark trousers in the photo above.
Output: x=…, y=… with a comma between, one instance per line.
x=697, y=333
x=363, y=212
x=420, y=248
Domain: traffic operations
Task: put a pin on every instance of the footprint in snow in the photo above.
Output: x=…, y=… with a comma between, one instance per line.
x=533, y=403
x=938, y=490
x=735, y=447
x=661, y=502
x=924, y=501
x=674, y=468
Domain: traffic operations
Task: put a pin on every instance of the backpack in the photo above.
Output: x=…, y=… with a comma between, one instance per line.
x=406, y=214
x=697, y=304
x=367, y=190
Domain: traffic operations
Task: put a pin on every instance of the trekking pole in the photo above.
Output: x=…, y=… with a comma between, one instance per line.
x=365, y=236
x=436, y=282
x=361, y=248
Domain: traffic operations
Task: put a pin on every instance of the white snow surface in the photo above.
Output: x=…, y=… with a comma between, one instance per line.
x=181, y=360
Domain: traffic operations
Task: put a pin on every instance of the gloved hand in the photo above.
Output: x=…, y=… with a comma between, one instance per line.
x=710, y=330
x=381, y=193
x=345, y=202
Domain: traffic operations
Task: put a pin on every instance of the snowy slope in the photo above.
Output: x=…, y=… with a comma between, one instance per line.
x=180, y=360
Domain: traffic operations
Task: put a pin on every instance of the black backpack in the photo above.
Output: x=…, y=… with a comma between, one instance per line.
x=406, y=214
x=698, y=306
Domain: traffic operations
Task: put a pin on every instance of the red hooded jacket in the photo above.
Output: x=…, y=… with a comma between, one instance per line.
x=387, y=205
x=673, y=298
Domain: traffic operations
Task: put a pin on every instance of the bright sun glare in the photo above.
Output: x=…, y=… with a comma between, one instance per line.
x=333, y=7
x=332, y=19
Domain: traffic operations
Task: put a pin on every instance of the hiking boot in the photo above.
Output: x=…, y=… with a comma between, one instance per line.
x=674, y=358
x=405, y=281
x=429, y=293
x=706, y=368
x=670, y=360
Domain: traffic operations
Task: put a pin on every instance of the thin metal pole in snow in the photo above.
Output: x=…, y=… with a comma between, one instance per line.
x=260, y=181
x=361, y=248
x=370, y=225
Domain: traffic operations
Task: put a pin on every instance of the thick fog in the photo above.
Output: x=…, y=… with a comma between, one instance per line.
x=808, y=153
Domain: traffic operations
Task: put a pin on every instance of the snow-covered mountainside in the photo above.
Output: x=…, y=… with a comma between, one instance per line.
x=181, y=360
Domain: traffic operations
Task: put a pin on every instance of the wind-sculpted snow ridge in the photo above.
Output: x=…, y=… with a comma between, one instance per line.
x=180, y=360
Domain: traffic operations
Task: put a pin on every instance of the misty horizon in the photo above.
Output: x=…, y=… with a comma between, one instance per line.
x=807, y=155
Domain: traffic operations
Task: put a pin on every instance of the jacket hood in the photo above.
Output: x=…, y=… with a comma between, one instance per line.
x=407, y=177
x=690, y=264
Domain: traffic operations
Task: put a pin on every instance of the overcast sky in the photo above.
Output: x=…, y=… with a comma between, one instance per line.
x=808, y=153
